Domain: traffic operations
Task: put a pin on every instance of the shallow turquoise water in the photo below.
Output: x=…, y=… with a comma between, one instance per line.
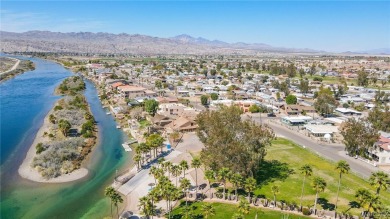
x=24, y=102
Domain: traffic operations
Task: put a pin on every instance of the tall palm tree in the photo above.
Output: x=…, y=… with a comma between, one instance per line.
x=108, y=192
x=196, y=164
x=243, y=206
x=167, y=166
x=275, y=190
x=153, y=197
x=176, y=171
x=223, y=175
x=117, y=198
x=137, y=159
x=209, y=176
x=156, y=172
x=250, y=185
x=185, y=185
x=343, y=168
x=363, y=197
x=160, y=161
x=208, y=210
x=319, y=185
x=144, y=206
x=184, y=166
x=380, y=180
x=236, y=179
x=307, y=171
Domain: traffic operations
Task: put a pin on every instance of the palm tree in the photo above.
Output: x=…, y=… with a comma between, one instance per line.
x=184, y=166
x=108, y=192
x=156, y=172
x=117, y=198
x=160, y=161
x=185, y=186
x=208, y=210
x=153, y=197
x=196, y=164
x=380, y=180
x=343, y=168
x=137, y=159
x=167, y=166
x=306, y=171
x=176, y=171
x=209, y=175
x=243, y=206
x=236, y=179
x=250, y=185
x=144, y=206
x=319, y=185
x=364, y=197
x=275, y=190
x=223, y=175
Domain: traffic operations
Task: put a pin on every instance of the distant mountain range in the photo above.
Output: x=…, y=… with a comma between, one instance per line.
x=87, y=42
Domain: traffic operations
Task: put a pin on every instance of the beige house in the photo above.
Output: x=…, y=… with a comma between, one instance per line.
x=131, y=91
x=181, y=124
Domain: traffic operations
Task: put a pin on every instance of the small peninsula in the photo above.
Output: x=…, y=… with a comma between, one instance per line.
x=66, y=137
x=10, y=67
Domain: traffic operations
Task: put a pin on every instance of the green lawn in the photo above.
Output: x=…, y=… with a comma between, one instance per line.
x=226, y=211
x=144, y=123
x=281, y=167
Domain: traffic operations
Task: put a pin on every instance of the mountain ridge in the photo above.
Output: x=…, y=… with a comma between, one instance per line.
x=103, y=42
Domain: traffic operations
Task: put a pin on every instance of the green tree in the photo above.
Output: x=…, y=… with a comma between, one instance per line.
x=176, y=170
x=64, y=126
x=343, y=168
x=209, y=176
x=238, y=216
x=291, y=99
x=319, y=185
x=223, y=175
x=380, y=180
x=117, y=198
x=325, y=102
x=108, y=192
x=243, y=206
x=237, y=180
x=158, y=84
x=184, y=166
x=306, y=171
x=214, y=96
x=185, y=185
x=208, y=210
x=196, y=163
x=304, y=86
x=151, y=106
x=52, y=118
x=230, y=142
x=204, y=99
x=250, y=185
x=254, y=108
x=358, y=136
x=155, y=141
x=362, y=79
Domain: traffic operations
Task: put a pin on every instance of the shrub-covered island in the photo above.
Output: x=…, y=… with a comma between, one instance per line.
x=69, y=132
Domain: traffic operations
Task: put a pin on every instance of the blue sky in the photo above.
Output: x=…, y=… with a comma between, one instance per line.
x=329, y=26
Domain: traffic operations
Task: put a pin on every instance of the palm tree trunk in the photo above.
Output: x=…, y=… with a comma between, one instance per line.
x=337, y=197
x=236, y=194
x=111, y=208
x=315, y=204
x=117, y=211
x=274, y=200
x=196, y=182
x=224, y=189
x=303, y=187
x=210, y=189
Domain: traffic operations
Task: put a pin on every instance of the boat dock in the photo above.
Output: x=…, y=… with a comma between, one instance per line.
x=127, y=144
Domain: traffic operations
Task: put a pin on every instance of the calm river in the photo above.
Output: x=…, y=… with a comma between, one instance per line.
x=24, y=102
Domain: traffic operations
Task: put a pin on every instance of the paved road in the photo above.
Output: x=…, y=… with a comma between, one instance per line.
x=331, y=152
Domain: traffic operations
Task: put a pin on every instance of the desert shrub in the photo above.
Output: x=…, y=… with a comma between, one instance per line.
x=58, y=107
x=306, y=211
x=40, y=148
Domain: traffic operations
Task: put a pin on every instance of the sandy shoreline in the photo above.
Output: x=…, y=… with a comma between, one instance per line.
x=27, y=172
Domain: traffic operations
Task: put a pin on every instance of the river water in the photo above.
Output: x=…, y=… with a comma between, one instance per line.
x=24, y=102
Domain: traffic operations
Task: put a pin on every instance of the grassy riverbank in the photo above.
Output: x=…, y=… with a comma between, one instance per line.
x=7, y=65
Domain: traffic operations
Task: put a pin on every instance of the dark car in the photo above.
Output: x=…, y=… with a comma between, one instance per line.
x=271, y=115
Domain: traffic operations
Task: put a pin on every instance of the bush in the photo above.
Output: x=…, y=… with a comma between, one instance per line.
x=306, y=211
x=317, y=79
x=58, y=108
x=40, y=148
x=291, y=99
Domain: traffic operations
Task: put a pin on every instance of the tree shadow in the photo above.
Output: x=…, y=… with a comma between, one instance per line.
x=325, y=204
x=270, y=171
